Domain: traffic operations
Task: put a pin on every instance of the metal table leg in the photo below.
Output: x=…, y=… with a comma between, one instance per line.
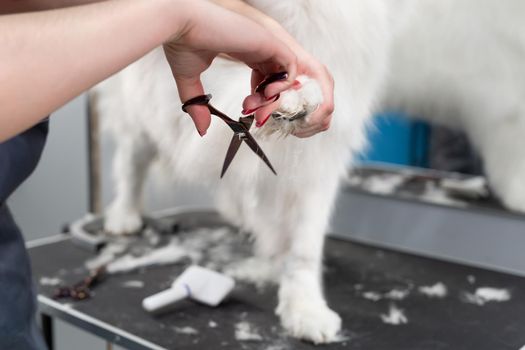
x=47, y=330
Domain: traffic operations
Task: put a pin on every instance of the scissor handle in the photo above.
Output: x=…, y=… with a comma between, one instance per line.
x=240, y=128
x=272, y=78
x=202, y=100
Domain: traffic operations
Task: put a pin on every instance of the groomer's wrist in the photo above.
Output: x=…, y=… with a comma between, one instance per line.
x=175, y=16
x=181, y=16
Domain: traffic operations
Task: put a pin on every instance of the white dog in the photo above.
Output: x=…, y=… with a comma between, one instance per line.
x=461, y=63
x=288, y=214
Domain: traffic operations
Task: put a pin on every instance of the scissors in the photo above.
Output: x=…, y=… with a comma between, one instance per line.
x=240, y=128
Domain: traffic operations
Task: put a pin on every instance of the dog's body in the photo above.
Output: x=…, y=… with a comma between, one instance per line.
x=461, y=64
x=288, y=214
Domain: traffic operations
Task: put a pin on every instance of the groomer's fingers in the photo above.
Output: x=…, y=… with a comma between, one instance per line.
x=259, y=104
x=271, y=85
x=256, y=79
x=264, y=92
x=308, y=131
x=323, y=115
x=190, y=88
x=321, y=118
x=263, y=114
x=253, y=102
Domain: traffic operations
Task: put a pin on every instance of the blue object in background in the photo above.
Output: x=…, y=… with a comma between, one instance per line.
x=395, y=139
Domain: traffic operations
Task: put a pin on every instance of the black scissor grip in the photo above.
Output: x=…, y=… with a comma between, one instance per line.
x=199, y=100
x=272, y=78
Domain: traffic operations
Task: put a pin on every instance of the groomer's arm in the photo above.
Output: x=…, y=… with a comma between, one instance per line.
x=49, y=57
x=18, y=6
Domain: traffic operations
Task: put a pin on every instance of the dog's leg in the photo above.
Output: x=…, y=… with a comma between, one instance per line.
x=263, y=267
x=502, y=146
x=130, y=165
x=258, y=269
x=302, y=307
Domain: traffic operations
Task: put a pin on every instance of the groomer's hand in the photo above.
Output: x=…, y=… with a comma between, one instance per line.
x=307, y=64
x=316, y=122
x=212, y=29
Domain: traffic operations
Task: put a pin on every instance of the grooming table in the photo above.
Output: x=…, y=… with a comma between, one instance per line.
x=414, y=214
x=351, y=270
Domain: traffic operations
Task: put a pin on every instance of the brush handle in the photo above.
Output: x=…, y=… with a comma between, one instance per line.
x=165, y=298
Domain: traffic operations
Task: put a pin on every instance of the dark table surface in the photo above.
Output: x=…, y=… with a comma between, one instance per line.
x=350, y=270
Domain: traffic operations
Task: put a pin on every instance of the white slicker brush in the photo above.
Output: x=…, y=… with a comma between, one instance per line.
x=196, y=283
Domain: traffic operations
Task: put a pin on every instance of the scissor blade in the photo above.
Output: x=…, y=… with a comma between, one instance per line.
x=237, y=127
x=230, y=154
x=250, y=141
x=247, y=121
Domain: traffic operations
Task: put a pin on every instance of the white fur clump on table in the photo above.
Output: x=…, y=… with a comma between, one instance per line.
x=436, y=195
x=438, y=290
x=394, y=294
x=475, y=187
x=186, y=330
x=384, y=184
x=485, y=295
x=216, y=242
x=50, y=281
x=374, y=296
x=395, y=316
x=170, y=254
x=133, y=284
x=245, y=331
x=397, y=294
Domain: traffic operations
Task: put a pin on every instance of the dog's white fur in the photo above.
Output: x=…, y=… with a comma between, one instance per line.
x=289, y=213
x=461, y=64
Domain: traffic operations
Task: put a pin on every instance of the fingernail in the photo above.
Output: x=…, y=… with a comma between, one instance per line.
x=260, y=124
x=249, y=111
x=274, y=98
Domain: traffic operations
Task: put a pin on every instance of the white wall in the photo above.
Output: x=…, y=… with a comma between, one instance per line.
x=57, y=192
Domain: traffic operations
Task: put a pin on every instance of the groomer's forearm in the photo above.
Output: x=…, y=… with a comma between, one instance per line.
x=18, y=6
x=49, y=57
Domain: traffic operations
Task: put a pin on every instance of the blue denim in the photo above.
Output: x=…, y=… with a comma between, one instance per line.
x=18, y=329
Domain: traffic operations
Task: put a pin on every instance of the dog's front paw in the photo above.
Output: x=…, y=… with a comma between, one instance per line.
x=295, y=106
x=299, y=103
x=122, y=221
x=314, y=322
